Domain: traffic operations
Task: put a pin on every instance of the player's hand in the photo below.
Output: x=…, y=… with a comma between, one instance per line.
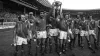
x=28, y=39
x=53, y=4
x=95, y=30
x=34, y=40
x=14, y=44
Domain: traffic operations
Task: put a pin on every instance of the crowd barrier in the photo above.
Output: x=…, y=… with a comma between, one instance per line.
x=7, y=25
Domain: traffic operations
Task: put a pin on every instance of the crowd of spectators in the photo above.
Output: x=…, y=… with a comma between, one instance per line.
x=7, y=15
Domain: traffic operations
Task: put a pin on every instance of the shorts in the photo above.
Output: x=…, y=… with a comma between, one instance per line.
x=21, y=40
x=91, y=32
x=53, y=32
x=31, y=24
x=82, y=33
x=70, y=31
x=63, y=35
x=76, y=31
x=86, y=33
x=41, y=34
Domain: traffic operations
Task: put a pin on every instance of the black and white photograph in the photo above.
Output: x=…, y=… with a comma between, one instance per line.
x=49, y=28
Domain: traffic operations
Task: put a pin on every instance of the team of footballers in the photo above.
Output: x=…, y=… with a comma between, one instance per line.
x=54, y=29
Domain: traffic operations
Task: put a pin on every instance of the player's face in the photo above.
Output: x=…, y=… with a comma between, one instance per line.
x=30, y=14
x=41, y=14
x=90, y=17
x=66, y=16
x=23, y=18
x=78, y=16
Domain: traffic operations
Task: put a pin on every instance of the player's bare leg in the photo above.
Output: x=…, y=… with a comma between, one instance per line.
x=90, y=36
x=82, y=36
x=74, y=40
x=29, y=37
x=43, y=46
x=62, y=38
x=60, y=46
x=46, y=44
x=90, y=46
x=64, y=47
x=56, y=43
x=38, y=43
x=95, y=41
x=50, y=44
x=71, y=41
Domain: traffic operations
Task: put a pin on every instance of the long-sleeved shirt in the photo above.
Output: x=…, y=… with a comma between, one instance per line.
x=76, y=24
x=63, y=25
x=92, y=25
x=21, y=29
x=83, y=25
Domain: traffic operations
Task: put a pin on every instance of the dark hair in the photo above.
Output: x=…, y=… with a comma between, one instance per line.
x=19, y=18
